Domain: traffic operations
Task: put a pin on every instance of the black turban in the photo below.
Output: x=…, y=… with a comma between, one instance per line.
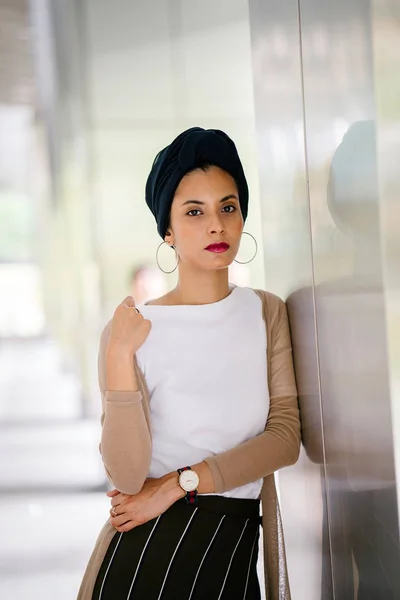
x=191, y=149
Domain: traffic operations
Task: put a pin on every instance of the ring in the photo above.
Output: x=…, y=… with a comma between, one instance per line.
x=137, y=310
x=114, y=513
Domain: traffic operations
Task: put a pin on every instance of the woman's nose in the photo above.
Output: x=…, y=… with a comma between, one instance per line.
x=216, y=224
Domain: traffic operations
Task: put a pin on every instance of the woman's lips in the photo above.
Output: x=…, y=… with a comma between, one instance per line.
x=218, y=248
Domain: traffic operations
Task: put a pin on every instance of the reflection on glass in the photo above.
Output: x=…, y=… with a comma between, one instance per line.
x=351, y=332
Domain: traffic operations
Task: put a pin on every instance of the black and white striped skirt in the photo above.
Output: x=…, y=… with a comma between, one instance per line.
x=206, y=551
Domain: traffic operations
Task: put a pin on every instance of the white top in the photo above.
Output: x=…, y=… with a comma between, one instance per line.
x=206, y=370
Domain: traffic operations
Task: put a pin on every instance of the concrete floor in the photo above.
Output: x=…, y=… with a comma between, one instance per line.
x=46, y=542
x=47, y=536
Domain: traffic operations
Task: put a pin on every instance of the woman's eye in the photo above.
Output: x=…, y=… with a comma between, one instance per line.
x=229, y=208
x=226, y=209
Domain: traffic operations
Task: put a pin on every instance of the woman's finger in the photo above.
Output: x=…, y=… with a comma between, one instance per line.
x=129, y=302
x=112, y=493
x=119, y=521
x=116, y=501
x=114, y=512
x=126, y=527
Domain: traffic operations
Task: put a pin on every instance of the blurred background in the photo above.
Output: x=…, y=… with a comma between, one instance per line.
x=309, y=90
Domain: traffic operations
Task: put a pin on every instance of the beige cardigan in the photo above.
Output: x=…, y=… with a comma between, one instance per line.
x=126, y=448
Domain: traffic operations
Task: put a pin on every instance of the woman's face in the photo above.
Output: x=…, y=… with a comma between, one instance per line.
x=206, y=222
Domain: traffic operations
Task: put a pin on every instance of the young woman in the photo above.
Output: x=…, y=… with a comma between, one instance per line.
x=199, y=403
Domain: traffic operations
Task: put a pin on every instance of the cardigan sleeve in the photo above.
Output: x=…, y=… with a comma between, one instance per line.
x=279, y=444
x=125, y=444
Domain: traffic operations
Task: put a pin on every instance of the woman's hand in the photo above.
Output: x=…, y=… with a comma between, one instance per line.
x=155, y=497
x=129, y=329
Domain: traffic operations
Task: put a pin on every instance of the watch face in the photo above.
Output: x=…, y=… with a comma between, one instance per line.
x=189, y=480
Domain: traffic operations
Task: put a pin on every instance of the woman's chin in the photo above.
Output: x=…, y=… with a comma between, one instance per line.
x=218, y=262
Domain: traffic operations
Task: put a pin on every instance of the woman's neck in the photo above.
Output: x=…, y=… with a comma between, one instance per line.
x=200, y=288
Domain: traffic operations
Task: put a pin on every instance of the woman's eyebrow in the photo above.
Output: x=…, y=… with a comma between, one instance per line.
x=199, y=202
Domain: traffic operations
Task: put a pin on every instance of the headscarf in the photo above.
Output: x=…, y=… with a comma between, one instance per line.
x=191, y=149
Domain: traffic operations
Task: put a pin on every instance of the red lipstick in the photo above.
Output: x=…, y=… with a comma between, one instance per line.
x=218, y=248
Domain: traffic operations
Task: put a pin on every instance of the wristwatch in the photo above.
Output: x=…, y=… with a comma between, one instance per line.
x=189, y=482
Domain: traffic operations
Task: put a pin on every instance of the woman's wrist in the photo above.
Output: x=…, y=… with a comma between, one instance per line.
x=206, y=482
x=170, y=483
x=117, y=352
x=120, y=372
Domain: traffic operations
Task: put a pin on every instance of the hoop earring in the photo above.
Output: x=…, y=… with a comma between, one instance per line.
x=255, y=253
x=158, y=264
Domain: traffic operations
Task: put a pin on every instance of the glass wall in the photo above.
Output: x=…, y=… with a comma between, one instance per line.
x=327, y=125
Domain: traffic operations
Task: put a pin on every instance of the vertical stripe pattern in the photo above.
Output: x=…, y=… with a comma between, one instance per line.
x=141, y=557
x=109, y=565
x=230, y=562
x=203, y=552
x=204, y=557
x=175, y=551
x=250, y=564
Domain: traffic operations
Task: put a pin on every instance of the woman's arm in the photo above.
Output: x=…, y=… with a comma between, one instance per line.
x=126, y=441
x=279, y=445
